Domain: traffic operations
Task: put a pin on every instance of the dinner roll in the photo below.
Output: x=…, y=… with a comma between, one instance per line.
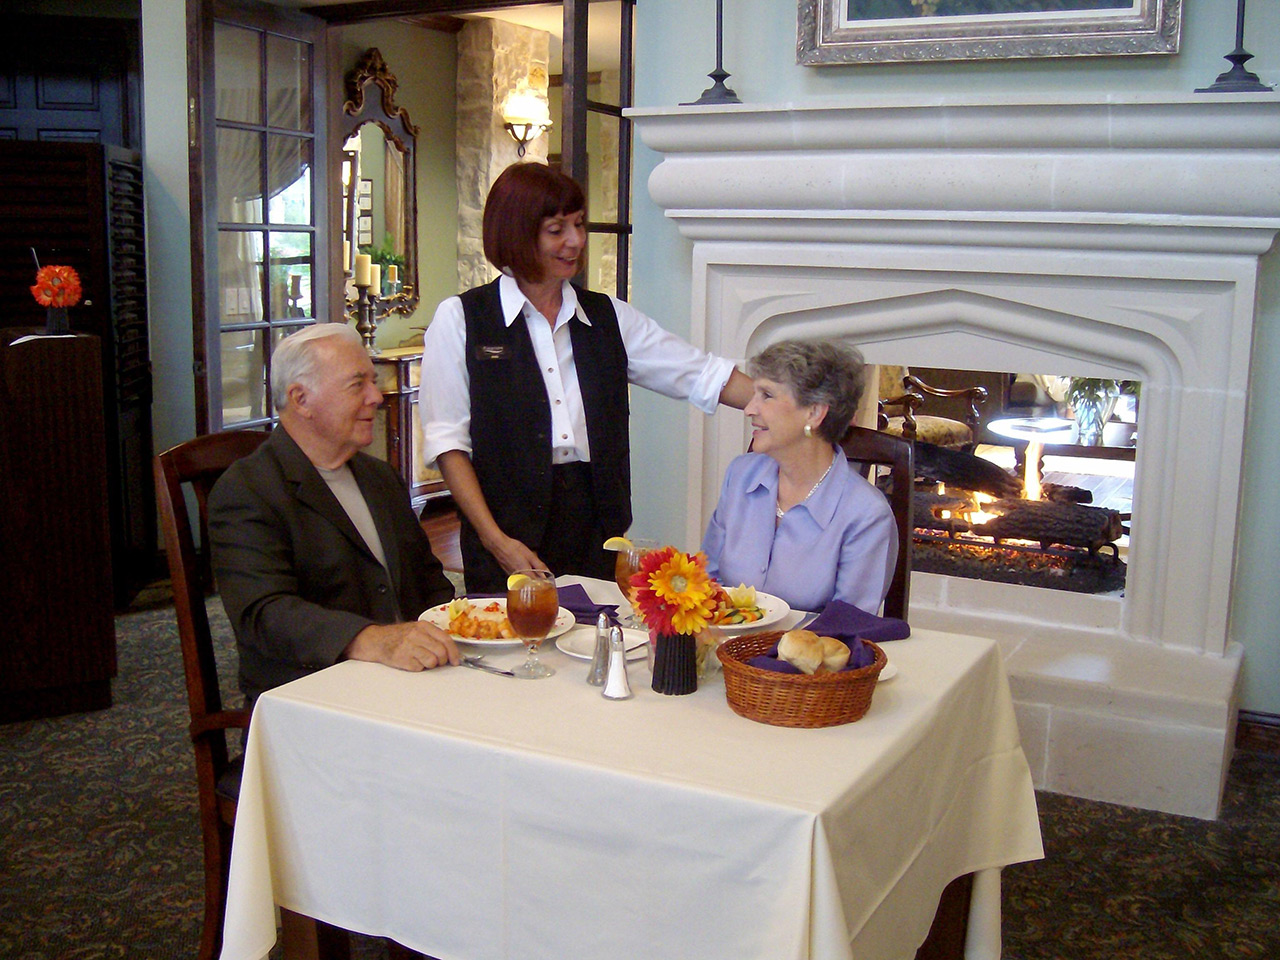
x=835, y=654
x=802, y=649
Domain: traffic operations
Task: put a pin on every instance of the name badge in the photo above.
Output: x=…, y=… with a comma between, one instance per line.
x=498, y=352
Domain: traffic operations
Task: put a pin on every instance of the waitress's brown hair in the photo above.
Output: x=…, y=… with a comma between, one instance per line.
x=519, y=199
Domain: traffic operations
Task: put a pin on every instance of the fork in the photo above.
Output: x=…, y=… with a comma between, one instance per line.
x=477, y=663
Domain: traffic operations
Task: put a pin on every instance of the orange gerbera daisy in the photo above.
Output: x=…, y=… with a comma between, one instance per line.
x=57, y=286
x=673, y=591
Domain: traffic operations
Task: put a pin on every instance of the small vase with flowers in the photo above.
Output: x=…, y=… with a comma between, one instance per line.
x=676, y=599
x=57, y=288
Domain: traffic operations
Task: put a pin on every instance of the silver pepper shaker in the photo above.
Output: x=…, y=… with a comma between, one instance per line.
x=600, y=660
x=616, y=685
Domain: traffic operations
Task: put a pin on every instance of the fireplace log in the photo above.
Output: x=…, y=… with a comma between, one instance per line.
x=1069, y=524
x=1064, y=493
x=964, y=470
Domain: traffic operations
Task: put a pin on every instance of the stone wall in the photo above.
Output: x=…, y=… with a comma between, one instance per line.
x=493, y=56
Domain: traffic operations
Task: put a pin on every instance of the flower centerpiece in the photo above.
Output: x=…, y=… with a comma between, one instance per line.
x=55, y=289
x=676, y=599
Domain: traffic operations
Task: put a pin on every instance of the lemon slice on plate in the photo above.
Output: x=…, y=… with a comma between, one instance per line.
x=617, y=544
x=742, y=595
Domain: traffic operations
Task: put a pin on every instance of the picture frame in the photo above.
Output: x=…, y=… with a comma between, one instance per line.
x=364, y=231
x=841, y=32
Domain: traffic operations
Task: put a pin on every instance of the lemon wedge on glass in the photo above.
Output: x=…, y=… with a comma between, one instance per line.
x=617, y=543
x=514, y=581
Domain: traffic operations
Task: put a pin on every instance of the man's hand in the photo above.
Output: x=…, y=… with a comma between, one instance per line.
x=405, y=646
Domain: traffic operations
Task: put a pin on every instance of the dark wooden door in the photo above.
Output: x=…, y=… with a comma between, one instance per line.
x=70, y=79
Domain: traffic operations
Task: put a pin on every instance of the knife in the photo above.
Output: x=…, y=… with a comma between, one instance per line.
x=476, y=663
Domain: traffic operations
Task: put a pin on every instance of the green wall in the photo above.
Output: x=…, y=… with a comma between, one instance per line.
x=675, y=49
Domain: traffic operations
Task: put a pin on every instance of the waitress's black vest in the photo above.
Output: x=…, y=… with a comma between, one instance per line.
x=511, y=416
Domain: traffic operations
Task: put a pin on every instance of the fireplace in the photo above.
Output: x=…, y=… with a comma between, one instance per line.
x=1112, y=239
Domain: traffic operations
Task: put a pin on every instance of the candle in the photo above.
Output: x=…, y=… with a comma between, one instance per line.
x=393, y=273
x=362, y=269
x=375, y=277
x=346, y=255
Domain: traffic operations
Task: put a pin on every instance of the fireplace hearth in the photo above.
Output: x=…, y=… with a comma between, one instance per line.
x=1107, y=238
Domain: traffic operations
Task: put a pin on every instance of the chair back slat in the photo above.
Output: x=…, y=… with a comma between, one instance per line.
x=871, y=448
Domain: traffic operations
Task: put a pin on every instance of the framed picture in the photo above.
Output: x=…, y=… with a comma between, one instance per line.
x=834, y=32
x=364, y=231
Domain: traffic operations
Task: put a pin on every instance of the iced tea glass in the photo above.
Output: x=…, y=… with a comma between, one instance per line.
x=532, y=605
x=626, y=565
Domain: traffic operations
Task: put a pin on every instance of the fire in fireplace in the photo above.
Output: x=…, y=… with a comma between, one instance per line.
x=979, y=519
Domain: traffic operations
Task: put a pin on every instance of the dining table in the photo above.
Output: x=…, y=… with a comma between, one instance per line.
x=474, y=816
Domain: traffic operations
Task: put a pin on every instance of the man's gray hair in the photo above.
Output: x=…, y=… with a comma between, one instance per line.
x=295, y=360
x=817, y=371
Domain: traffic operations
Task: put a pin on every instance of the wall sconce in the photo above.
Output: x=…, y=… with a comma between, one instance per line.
x=525, y=115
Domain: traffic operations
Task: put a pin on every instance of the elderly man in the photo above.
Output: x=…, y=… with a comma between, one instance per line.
x=317, y=553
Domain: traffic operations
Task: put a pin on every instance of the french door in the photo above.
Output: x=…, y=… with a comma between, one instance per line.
x=258, y=198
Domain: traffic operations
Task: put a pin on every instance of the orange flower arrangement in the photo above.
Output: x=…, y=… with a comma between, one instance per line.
x=57, y=286
x=674, y=594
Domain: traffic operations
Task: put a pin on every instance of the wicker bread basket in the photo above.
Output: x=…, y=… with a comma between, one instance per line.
x=794, y=699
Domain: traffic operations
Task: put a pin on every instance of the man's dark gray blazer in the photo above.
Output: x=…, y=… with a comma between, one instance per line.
x=296, y=577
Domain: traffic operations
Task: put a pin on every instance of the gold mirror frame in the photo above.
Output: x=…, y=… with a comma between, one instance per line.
x=371, y=94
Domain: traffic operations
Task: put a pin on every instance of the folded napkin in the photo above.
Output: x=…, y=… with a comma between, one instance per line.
x=585, y=610
x=844, y=621
x=860, y=655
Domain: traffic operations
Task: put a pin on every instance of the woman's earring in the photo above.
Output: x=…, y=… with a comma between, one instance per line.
x=808, y=430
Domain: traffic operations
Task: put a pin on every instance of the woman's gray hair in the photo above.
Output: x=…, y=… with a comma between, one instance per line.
x=817, y=371
x=294, y=360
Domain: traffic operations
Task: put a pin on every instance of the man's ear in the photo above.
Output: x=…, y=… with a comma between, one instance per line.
x=298, y=397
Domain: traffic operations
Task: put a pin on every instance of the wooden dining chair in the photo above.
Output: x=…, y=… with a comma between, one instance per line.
x=870, y=449
x=199, y=463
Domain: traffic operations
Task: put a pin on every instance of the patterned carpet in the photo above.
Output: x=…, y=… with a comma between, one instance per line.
x=100, y=851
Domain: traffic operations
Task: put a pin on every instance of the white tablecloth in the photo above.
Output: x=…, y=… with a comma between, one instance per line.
x=478, y=817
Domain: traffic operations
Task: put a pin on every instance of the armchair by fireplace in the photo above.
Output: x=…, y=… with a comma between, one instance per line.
x=959, y=404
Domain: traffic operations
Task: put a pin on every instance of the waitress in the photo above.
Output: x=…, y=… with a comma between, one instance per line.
x=524, y=398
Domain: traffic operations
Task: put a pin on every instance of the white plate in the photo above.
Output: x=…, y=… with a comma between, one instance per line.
x=582, y=643
x=775, y=608
x=888, y=673
x=439, y=617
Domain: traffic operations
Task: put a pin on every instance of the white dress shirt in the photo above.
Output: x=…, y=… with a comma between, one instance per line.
x=656, y=359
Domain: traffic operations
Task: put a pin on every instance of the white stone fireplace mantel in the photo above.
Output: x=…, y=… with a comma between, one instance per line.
x=1112, y=237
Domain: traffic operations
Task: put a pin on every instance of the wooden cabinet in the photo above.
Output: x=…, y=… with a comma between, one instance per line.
x=57, y=628
x=81, y=204
x=397, y=434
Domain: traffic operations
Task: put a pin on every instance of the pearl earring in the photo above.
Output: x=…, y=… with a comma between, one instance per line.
x=808, y=430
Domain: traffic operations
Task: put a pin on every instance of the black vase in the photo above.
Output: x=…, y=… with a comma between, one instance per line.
x=675, y=667
x=56, y=320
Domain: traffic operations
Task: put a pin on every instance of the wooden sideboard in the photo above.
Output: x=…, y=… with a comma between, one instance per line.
x=58, y=641
x=397, y=435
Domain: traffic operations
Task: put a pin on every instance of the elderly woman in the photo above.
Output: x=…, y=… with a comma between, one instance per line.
x=524, y=391
x=794, y=518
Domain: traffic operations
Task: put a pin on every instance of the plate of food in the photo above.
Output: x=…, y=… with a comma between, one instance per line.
x=483, y=622
x=582, y=643
x=744, y=609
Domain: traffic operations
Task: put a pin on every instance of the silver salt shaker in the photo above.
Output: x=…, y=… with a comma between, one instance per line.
x=616, y=685
x=600, y=660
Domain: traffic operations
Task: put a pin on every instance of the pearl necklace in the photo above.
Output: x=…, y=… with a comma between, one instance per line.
x=781, y=512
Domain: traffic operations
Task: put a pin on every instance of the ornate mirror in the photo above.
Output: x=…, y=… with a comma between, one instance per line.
x=379, y=189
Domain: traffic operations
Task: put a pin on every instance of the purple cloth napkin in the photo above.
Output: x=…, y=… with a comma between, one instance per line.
x=845, y=621
x=860, y=655
x=585, y=610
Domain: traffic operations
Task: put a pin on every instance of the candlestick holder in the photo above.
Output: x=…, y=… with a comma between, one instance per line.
x=367, y=316
x=1237, y=79
x=717, y=92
